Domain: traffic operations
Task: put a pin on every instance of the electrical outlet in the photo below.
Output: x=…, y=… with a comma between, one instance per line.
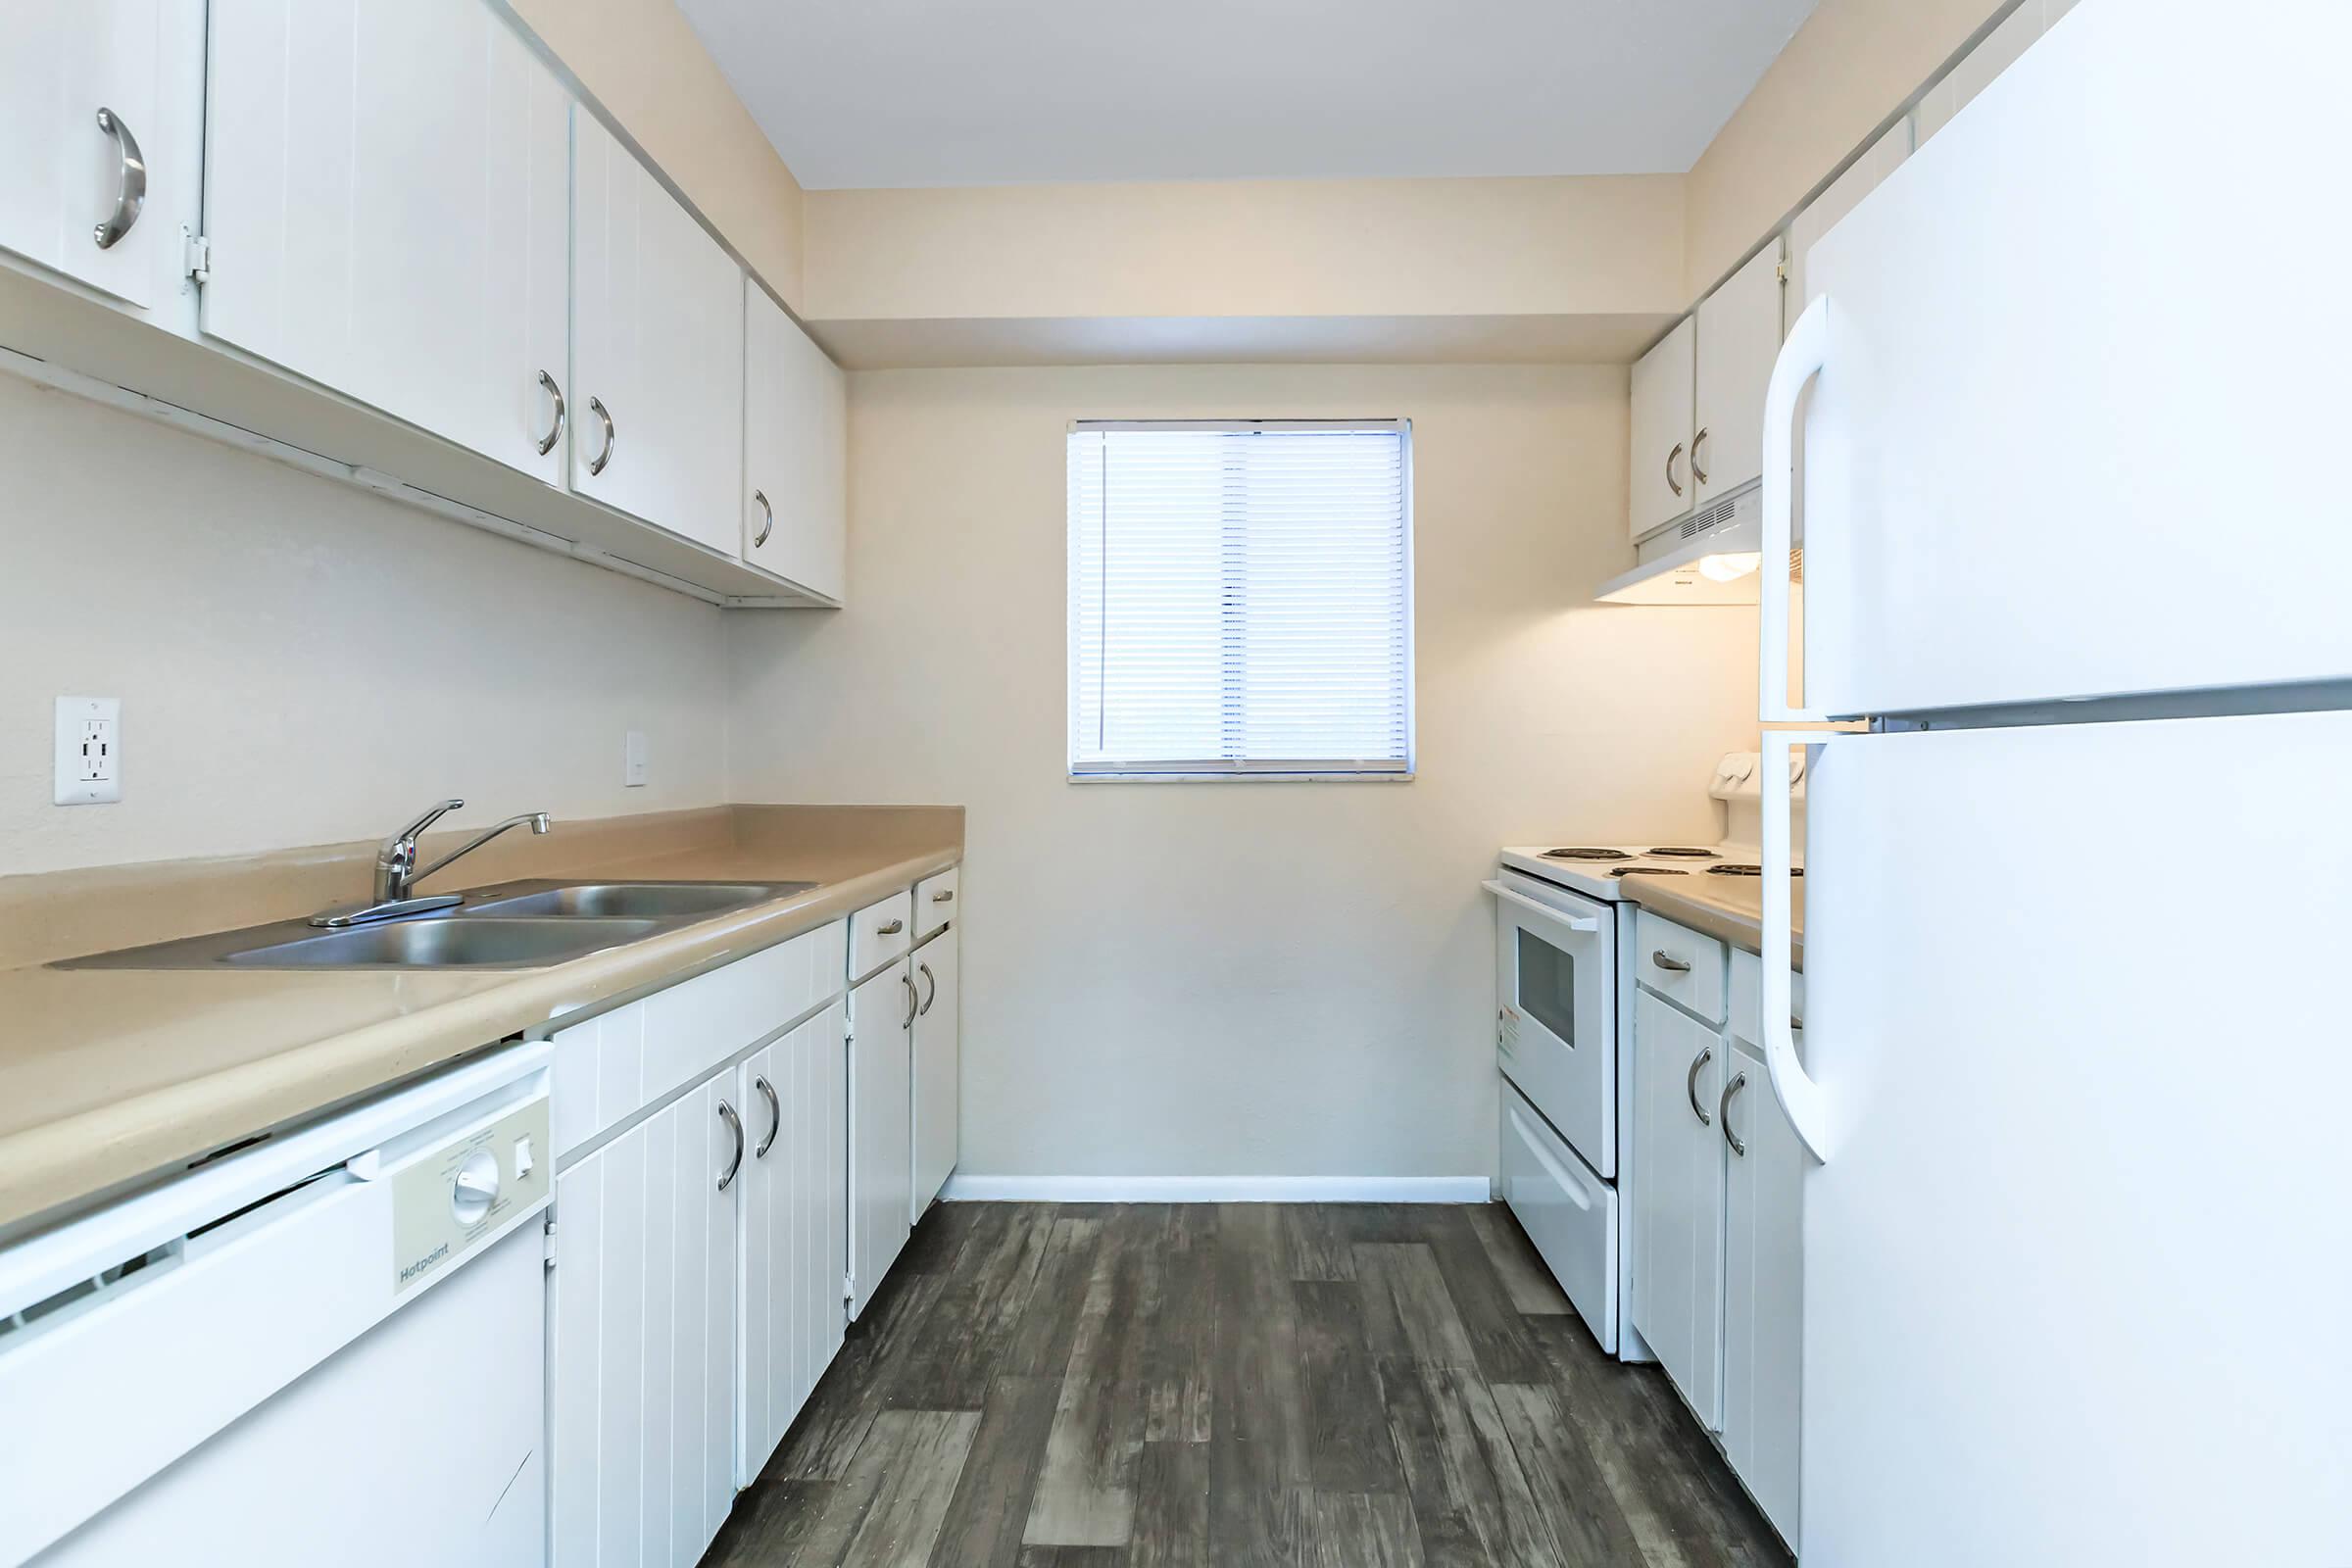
x=90, y=751
x=634, y=759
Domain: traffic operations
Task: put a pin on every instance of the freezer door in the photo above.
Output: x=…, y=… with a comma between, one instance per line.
x=2084, y=358
x=2077, y=1267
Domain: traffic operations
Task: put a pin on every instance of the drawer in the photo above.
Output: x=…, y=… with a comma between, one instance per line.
x=881, y=932
x=1567, y=1212
x=935, y=900
x=1680, y=965
x=1747, y=991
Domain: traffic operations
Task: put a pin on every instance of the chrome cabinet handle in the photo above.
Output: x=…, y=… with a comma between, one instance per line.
x=1669, y=962
x=596, y=465
x=130, y=190
x=926, y=970
x=944, y=896
x=890, y=930
x=555, y=432
x=1697, y=472
x=768, y=528
x=727, y=1113
x=913, y=1008
x=1723, y=1109
x=1671, y=482
x=775, y=1116
x=1690, y=1084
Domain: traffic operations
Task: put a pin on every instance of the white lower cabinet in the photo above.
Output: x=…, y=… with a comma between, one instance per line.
x=641, y=1338
x=1678, y=1200
x=1764, y=1268
x=795, y=1206
x=938, y=1066
x=881, y=1207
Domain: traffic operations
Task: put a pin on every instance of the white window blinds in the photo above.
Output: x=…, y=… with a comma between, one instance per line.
x=1239, y=600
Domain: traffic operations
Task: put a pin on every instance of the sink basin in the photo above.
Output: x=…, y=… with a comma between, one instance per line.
x=446, y=943
x=651, y=901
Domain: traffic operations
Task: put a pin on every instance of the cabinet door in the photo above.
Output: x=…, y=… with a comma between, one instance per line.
x=387, y=197
x=1764, y=1291
x=790, y=1309
x=1879, y=160
x=657, y=350
x=1677, y=1203
x=63, y=63
x=1660, y=473
x=938, y=1066
x=1739, y=338
x=641, y=1418
x=795, y=451
x=881, y=1151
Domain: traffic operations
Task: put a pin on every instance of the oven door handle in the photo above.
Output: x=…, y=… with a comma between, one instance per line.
x=1574, y=922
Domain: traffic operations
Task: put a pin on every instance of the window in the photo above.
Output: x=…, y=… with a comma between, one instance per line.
x=1241, y=600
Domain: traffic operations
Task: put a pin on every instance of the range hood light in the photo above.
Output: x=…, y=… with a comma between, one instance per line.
x=1728, y=567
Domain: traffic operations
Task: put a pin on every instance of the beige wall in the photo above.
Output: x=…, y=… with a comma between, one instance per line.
x=1851, y=66
x=302, y=662
x=643, y=62
x=1250, y=248
x=1254, y=979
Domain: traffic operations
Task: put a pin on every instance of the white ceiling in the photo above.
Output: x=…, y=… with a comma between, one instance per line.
x=966, y=92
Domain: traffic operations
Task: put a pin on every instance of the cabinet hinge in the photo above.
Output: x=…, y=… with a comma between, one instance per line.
x=199, y=258
x=551, y=1241
x=849, y=1287
x=1780, y=269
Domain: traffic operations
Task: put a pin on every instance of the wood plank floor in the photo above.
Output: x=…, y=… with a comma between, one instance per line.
x=1220, y=1386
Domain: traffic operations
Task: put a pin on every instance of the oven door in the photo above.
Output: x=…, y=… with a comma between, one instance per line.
x=1555, y=982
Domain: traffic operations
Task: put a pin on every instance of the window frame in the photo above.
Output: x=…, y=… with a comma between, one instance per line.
x=1224, y=770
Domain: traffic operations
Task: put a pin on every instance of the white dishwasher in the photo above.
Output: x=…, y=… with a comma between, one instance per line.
x=325, y=1349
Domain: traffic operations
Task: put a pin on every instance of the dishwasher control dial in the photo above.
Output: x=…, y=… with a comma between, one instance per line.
x=475, y=1189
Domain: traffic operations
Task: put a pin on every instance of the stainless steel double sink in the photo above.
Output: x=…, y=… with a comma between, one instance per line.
x=516, y=925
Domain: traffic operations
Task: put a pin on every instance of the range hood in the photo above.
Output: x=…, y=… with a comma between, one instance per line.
x=1709, y=557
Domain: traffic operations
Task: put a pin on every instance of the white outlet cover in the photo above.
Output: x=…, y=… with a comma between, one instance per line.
x=635, y=759
x=90, y=751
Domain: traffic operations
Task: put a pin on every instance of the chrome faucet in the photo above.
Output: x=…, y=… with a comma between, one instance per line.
x=396, y=873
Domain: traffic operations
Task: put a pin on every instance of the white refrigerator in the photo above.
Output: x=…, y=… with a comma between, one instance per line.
x=2078, y=1059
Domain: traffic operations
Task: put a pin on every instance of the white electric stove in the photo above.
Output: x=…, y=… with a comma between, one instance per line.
x=1564, y=956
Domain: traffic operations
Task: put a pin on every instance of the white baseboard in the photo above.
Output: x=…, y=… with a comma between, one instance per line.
x=964, y=1189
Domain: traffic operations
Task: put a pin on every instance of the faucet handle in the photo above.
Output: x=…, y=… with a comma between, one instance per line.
x=432, y=815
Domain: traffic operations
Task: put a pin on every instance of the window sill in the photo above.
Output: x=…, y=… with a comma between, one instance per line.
x=1242, y=777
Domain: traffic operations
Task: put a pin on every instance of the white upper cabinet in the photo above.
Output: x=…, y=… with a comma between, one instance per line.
x=1739, y=338
x=795, y=451
x=1663, y=392
x=1864, y=176
x=87, y=116
x=657, y=399
x=386, y=202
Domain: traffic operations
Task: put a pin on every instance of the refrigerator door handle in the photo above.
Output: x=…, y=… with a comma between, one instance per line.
x=1802, y=358
x=1800, y=1095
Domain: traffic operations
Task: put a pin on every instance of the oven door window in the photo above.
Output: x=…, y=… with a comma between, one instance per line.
x=1548, y=985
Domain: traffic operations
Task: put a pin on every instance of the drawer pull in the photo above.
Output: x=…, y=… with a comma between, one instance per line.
x=1705, y=1055
x=1669, y=962
x=944, y=896
x=1723, y=1109
x=890, y=930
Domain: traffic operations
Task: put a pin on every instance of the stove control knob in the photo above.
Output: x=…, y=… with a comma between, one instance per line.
x=475, y=1189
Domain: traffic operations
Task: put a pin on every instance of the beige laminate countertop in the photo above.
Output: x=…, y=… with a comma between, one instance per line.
x=1728, y=908
x=111, y=1078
